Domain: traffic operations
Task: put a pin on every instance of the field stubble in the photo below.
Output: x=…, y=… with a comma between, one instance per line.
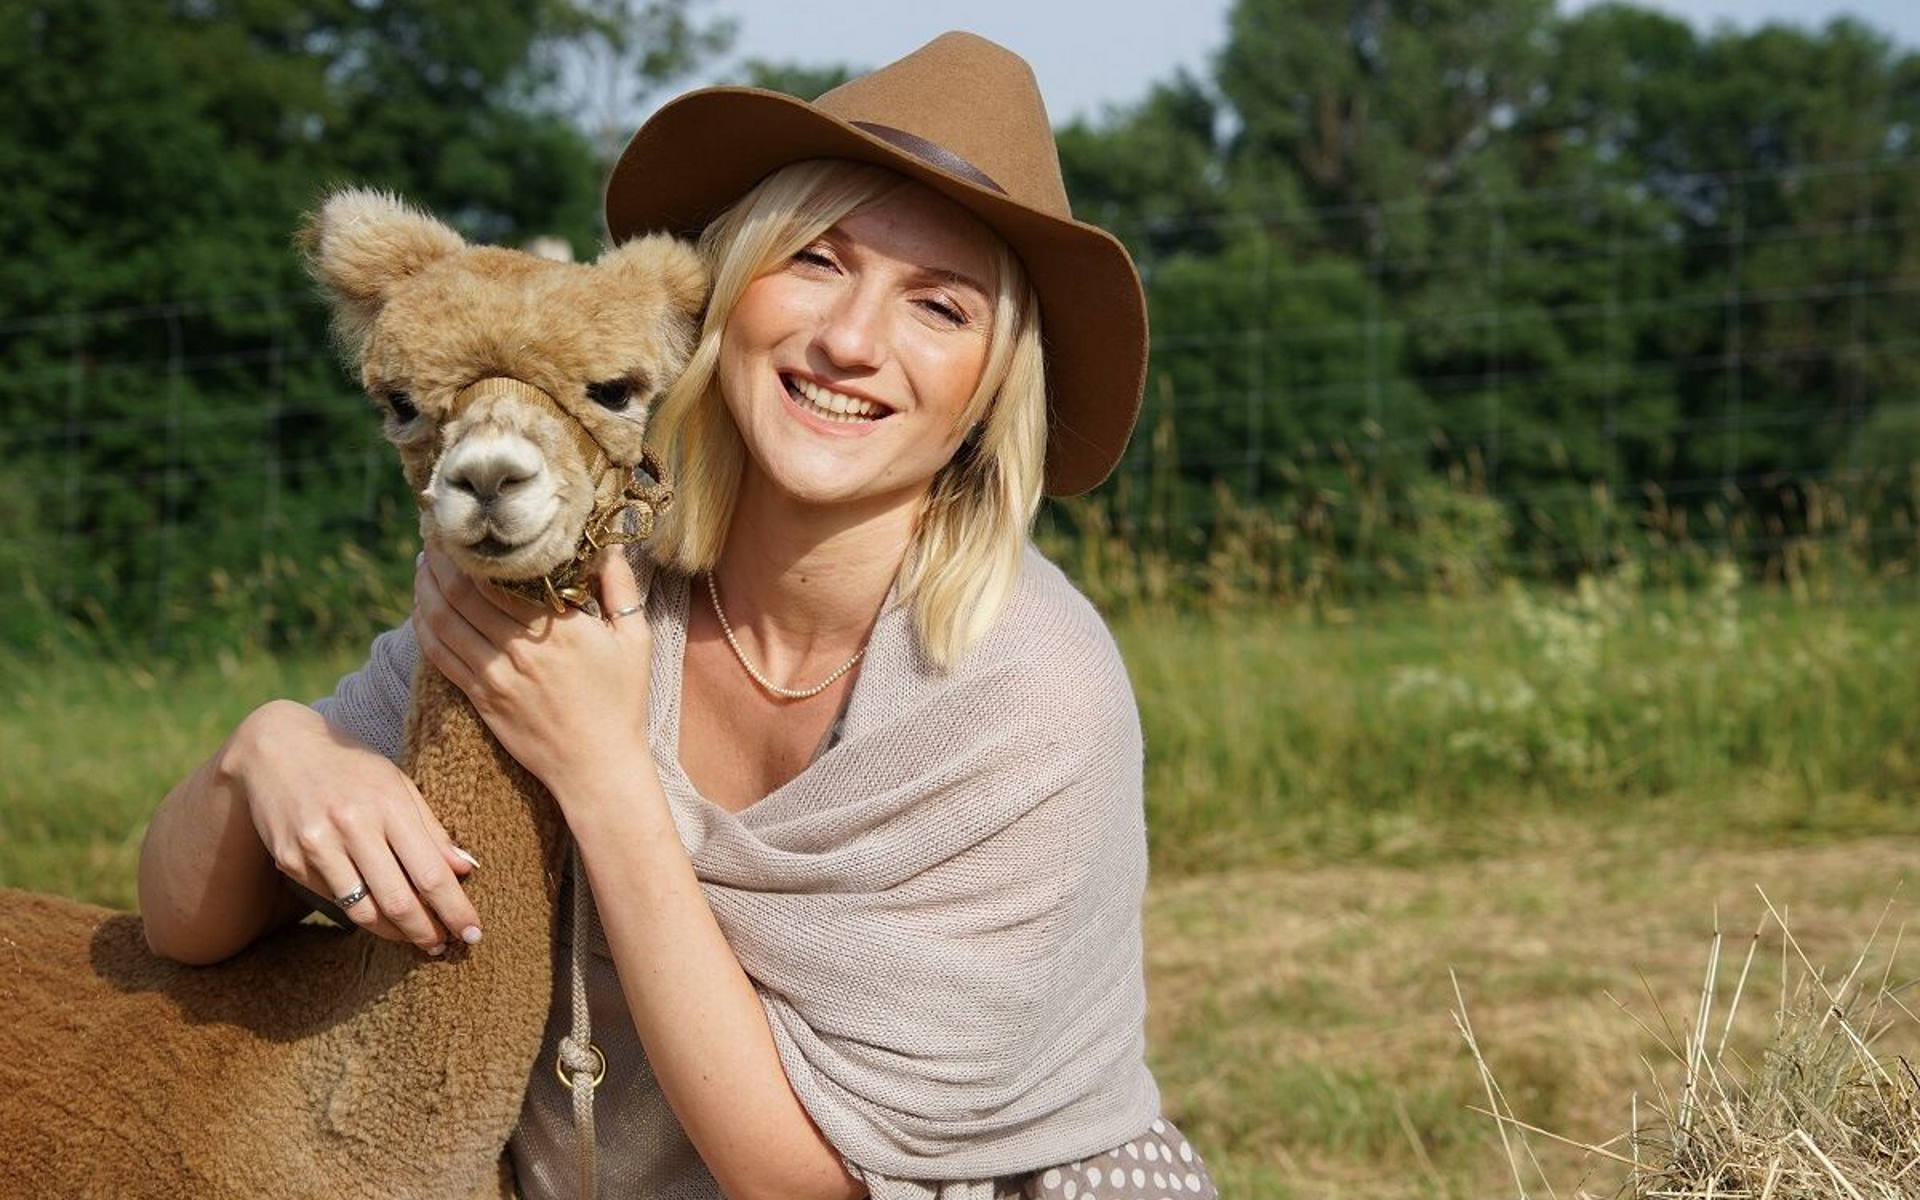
x=1301, y=1015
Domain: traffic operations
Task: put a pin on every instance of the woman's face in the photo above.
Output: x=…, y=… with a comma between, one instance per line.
x=847, y=368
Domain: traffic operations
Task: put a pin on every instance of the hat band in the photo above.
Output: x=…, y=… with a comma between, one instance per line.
x=932, y=153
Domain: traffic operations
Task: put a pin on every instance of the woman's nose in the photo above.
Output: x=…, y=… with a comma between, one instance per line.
x=850, y=332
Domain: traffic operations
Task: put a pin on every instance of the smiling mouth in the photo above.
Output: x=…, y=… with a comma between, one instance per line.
x=830, y=405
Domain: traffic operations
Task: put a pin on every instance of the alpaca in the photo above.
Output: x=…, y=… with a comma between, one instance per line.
x=329, y=1063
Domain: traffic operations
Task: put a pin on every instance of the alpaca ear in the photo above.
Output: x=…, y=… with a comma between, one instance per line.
x=671, y=264
x=359, y=245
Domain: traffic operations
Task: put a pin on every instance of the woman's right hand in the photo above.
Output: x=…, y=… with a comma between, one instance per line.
x=335, y=815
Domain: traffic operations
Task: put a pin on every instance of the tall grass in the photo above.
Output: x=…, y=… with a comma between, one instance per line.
x=1377, y=667
x=1401, y=726
x=90, y=745
x=1353, y=520
x=1385, y=665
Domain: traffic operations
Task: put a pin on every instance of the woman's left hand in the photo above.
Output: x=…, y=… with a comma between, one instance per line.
x=566, y=694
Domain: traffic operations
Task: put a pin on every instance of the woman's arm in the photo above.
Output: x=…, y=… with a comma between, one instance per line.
x=288, y=796
x=567, y=697
x=207, y=886
x=695, y=1010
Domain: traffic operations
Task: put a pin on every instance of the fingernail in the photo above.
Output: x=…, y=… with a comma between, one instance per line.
x=437, y=950
x=471, y=860
x=470, y=935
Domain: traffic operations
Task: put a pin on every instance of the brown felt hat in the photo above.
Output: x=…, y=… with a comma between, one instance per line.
x=963, y=116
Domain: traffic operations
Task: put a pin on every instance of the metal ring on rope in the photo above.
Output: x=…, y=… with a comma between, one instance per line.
x=571, y=1060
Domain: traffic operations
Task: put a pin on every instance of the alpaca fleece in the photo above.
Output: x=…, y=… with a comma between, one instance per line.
x=321, y=1062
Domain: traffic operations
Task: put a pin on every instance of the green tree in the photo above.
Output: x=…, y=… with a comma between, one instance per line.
x=624, y=52
x=1541, y=253
x=172, y=399
x=1151, y=172
x=1342, y=104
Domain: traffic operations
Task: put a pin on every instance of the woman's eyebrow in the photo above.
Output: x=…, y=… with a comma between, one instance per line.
x=949, y=275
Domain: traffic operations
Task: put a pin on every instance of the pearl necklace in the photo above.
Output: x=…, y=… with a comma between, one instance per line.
x=713, y=592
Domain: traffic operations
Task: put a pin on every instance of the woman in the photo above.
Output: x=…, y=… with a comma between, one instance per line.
x=856, y=779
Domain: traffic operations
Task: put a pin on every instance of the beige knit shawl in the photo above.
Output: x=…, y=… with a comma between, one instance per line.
x=941, y=914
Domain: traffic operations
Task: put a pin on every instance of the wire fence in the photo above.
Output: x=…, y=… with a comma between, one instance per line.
x=1554, y=351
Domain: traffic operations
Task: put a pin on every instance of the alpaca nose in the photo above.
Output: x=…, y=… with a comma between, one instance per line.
x=487, y=469
x=488, y=478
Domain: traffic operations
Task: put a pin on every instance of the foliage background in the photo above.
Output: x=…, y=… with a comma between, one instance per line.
x=1442, y=291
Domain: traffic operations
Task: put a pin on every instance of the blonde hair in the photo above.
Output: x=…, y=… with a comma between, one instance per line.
x=964, y=557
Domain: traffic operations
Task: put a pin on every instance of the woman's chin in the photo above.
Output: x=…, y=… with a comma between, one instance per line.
x=830, y=486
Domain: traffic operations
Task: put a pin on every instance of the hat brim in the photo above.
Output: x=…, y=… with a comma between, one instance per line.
x=703, y=151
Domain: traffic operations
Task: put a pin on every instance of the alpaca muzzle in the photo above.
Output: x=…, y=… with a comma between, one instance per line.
x=497, y=496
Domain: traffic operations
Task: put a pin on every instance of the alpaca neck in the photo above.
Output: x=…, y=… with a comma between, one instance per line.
x=463, y=1029
x=490, y=806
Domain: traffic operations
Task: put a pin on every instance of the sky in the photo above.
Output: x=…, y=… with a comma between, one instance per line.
x=1090, y=54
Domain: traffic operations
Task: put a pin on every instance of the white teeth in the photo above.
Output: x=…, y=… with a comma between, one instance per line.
x=833, y=405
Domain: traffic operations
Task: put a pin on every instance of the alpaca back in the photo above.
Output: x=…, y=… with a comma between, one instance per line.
x=319, y=1061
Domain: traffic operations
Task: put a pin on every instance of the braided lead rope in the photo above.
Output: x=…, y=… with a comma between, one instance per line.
x=581, y=1064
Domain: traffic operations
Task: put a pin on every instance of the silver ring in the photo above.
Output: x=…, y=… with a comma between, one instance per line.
x=628, y=611
x=352, y=898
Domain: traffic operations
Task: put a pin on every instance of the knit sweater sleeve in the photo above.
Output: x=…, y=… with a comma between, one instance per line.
x=371, y=703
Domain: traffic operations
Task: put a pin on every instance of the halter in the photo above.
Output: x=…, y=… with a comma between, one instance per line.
x=628, y=518
x=625, y=519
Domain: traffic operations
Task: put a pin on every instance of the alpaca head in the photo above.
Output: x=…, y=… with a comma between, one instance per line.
x=516, y=388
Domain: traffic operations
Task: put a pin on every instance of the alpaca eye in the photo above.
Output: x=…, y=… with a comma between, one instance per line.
x=611, y=394
x=398, y=404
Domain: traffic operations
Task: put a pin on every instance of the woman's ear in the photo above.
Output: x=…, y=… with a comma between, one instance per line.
x=359, y=245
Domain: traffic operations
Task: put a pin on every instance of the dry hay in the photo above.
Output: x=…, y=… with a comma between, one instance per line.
x=1821, y=1114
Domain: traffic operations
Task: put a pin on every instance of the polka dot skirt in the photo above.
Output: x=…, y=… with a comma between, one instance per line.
x=1158, y=1165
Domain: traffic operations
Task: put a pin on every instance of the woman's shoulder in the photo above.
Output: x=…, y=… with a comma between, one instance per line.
x=371, y=703
x=1051, y=633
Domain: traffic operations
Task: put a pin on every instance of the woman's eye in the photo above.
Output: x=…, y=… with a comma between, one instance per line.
x=614, y=395
x=948, y=312
x=398, y=404
x=813, y=257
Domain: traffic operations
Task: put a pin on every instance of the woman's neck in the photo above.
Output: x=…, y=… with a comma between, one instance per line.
x=806, y=581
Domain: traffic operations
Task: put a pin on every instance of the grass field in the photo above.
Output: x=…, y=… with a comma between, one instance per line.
x=1550, y=794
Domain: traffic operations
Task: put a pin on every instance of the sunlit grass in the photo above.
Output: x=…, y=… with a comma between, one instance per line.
x=1396, y=732
x=1300, y=1019
x=90, y=747
x=1409, y=729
